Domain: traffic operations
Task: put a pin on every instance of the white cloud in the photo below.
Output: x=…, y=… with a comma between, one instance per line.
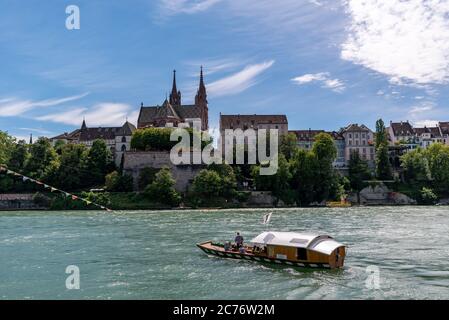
x=171, y=7
x=425, y=123
x=406, y=40
x=15, y=107
x=37, y=130
x=324, y=78
x=102, y=114
x=239, y=81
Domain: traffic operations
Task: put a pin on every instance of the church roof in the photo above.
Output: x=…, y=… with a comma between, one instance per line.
x=148, y=114
x=227, y=120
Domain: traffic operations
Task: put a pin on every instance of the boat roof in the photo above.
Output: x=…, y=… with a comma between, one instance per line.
x=322, y=243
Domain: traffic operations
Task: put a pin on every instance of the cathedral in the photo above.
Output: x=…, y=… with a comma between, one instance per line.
x=172, y=113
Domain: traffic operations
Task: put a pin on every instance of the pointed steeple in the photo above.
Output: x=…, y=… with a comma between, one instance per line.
x=83, y=126
x=31, y=138
x=201, y=95
x=201, y=102
x=175, y=95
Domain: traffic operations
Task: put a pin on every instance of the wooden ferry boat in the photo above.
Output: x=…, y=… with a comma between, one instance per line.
x=285, y=248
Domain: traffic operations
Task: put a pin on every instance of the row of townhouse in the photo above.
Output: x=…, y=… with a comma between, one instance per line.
x=404, y=134
x=353, y=138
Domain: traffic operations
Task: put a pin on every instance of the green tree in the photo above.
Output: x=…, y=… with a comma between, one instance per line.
x=98, y=158
x=6, y=146
x=73, y=173
x=427, y=196
x=383, y=166
x=19, y=156
x=304, y=167
x=119, y=183
x=228, y=179
x=288, y=145
x=41, y=156
x=162, y=190
x=358, y=173
x=146, y=177
x=438, y=157
x=416, y=166
x=207, y=183
x=325, y=151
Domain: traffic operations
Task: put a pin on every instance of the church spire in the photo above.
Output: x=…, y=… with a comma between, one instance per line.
x=175, y=95
x=83, y=126
x=201, y=96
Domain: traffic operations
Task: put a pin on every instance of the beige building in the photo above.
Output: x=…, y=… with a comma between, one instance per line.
x=359, y=138
x=117, y=139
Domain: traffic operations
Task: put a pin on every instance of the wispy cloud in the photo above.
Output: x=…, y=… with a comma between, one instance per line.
x=102, y=114
x=324, y=78
x=11, y=107
x=171, y=7
x=405, y=40
x=240, y=81
x=37, y=130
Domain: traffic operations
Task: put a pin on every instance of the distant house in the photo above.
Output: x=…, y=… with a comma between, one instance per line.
x=254, y=121
x=359, y=138
x=118, y=139
x=405, y=134
x=172, y=113
x=306, y=138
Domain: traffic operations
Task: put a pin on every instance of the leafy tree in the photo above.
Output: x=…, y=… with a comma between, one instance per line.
x=41, y=156
x=427, y=196
x=146, y=177
x=73, y=173
x=228, y=179
x=162, y=190
x=118, y=183
x=358, y=173
x=6, y=146
x=288, y=145
x=438, y=158
x=383, y=166
x=325, y=151
x=19, y=156
x=304, y=166
x=416, y=166
x=207, y=183
x=98, y=157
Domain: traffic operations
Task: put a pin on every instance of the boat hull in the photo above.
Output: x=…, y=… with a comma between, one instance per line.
x=220, y=252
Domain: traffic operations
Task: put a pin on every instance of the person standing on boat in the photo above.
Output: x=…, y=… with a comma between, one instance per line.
x=238, y=240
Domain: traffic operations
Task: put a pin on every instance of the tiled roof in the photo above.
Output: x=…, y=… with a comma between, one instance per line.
x=305, y=135
x=402, y=128
x=444, y=126
x=149, y=114
x=434, y=131
x=356, y=127
x=227, y=120
x=74, y=135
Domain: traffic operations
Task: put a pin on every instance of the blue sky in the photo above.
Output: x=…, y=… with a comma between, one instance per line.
x=324, y=63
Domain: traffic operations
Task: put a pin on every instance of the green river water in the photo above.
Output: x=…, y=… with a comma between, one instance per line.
x=152, y=255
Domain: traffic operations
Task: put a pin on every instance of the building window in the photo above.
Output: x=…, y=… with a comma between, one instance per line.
x=123, y=139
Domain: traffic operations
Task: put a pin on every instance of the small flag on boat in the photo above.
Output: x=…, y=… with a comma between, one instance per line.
x=267, y=218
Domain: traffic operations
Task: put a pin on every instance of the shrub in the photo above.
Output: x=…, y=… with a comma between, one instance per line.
x=41, y=200
x=162, y=190
x=207, y=183
x=427, y=196
x=119, y=183
x=146, y=177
